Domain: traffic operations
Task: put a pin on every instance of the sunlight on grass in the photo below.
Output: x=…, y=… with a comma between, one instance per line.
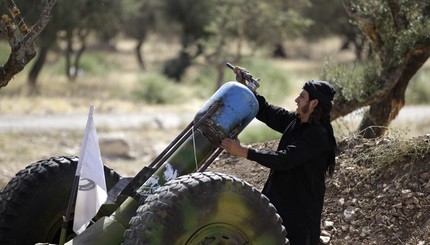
x=418, y=91
x=157, y=89
x=274, y=83
x=258, y=133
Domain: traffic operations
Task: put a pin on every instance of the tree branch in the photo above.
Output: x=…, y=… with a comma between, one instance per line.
x=21, y=39
x=399, y=19
x=367, y=22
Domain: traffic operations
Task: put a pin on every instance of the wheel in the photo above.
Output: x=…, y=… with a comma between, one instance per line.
x=206, y=208
x=34, y=201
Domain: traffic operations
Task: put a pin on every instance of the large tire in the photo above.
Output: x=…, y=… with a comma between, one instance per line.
x=206, y=208
x=35, y=200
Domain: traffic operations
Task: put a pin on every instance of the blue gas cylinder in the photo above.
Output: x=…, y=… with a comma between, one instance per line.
x=237, y=106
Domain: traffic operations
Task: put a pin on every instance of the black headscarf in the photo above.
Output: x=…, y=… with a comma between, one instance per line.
x=324, y=92
x=321, y=90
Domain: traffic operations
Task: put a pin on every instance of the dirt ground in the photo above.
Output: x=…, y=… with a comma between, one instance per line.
x=368, y=201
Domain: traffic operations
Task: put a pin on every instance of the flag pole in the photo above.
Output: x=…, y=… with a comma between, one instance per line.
x=66, y=218
x=75, y=185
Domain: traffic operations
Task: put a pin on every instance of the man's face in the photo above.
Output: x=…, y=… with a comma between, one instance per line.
x=303, y=106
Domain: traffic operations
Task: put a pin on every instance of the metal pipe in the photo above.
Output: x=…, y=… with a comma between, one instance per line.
x=210, y=160
x=146, y=172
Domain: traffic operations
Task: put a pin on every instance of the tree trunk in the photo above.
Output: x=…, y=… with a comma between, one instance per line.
x=37, y=67
x=279, y=51
x=175, y=68
x=76, y=65
x=379, y=116
x=139, y=54
x=68, y=56
x=220, y=79
x=376, y=121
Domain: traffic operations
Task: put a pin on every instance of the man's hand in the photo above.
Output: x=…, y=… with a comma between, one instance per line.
x=239, y=71
x=234, y=147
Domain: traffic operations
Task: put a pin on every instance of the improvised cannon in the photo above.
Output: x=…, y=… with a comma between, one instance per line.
x=170, y=201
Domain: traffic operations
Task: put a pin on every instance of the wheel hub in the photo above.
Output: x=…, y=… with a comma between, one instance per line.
x=217, y=234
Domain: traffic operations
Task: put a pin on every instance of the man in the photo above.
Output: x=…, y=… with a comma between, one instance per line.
x=305, y=154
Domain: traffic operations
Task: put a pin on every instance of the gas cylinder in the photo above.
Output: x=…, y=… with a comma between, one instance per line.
x=237, y=107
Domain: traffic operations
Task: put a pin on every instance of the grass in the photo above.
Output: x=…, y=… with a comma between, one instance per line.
x=389, y=154
x=418, y=91
x=157, y=89
x=275, y=83
x=258, y=133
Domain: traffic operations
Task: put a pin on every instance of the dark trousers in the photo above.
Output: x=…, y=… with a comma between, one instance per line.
x=299, y=235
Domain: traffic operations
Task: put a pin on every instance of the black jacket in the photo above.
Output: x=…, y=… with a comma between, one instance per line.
x=296, y=184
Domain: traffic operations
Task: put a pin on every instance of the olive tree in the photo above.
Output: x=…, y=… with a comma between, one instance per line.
x=189, y=18
x=399, y=34
x=329, y=18
x=252, y=22
x=21, y=38
x=139, y=18
x=98, y=17
x=72, y=23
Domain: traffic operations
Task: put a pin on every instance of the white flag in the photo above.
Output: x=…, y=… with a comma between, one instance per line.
x=92, y=184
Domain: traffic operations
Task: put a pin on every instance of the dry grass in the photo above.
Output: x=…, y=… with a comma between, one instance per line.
x=20, y=148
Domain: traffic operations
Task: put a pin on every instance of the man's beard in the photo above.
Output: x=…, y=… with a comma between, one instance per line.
x=303, y=110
